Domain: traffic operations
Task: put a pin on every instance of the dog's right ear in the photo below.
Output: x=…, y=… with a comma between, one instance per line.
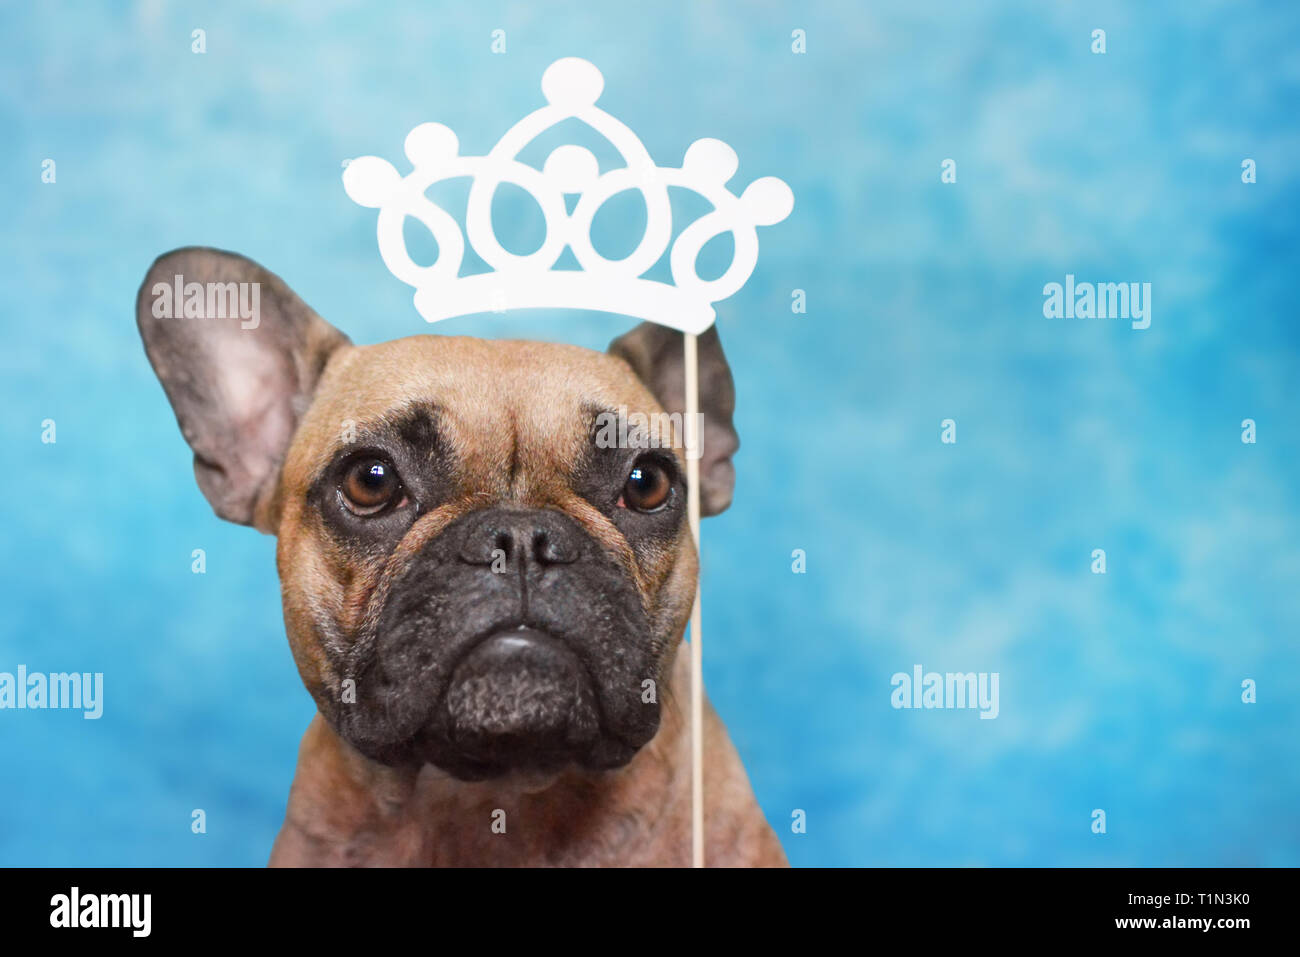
x=239, y=356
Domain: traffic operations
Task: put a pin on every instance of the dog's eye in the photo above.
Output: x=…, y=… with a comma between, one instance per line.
x=370, y=485
x=648, y=486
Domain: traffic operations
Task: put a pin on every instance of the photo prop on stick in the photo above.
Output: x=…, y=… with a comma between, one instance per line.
x=571, y=87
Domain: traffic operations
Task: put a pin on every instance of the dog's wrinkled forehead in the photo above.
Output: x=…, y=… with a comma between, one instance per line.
x=510, y=414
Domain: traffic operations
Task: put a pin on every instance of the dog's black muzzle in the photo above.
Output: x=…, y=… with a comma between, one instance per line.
x=512, y=641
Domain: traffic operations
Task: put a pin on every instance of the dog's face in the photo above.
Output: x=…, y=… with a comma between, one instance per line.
x=453, y=539
x=474, y=575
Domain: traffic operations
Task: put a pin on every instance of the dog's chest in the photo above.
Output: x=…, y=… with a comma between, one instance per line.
x=577, y=822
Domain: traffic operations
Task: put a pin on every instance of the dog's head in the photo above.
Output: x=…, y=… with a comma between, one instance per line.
x=485, y=560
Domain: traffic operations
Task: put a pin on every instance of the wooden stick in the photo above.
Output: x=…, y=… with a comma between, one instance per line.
x=694, y=446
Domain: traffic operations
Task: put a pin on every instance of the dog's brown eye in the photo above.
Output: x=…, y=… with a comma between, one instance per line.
x=648, y=486
x=370, y=485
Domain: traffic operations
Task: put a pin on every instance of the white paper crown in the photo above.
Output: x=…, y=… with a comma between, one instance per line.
x=571, y=87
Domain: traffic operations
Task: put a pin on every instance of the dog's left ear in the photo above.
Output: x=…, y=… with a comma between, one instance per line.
x=656, y=355
x=239, y=356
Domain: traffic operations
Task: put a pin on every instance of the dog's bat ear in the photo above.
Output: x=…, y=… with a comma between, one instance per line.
x=656, y=355
x=239, y=356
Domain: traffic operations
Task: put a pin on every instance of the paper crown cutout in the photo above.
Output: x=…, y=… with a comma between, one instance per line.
x=571, y=87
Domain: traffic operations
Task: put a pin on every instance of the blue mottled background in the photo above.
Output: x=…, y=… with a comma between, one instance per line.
x=1120, y=692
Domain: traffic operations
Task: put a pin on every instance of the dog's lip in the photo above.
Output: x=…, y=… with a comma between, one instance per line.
x=516, y=640
x=515, y=626
x=510, y=629
x=513, y=638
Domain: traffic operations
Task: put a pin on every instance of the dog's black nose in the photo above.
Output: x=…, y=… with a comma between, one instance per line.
x=510, y=538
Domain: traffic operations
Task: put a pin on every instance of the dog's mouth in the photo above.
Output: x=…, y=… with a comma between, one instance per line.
x=518, y=701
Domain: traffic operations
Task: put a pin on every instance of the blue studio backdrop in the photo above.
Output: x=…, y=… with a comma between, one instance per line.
x=923, y=301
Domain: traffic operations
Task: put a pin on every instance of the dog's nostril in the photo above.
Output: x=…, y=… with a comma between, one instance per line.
x=488, y=546
x=549, y=550
x=517, y=539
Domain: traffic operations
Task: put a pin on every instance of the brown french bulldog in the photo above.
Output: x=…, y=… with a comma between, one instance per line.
x=486, y=603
